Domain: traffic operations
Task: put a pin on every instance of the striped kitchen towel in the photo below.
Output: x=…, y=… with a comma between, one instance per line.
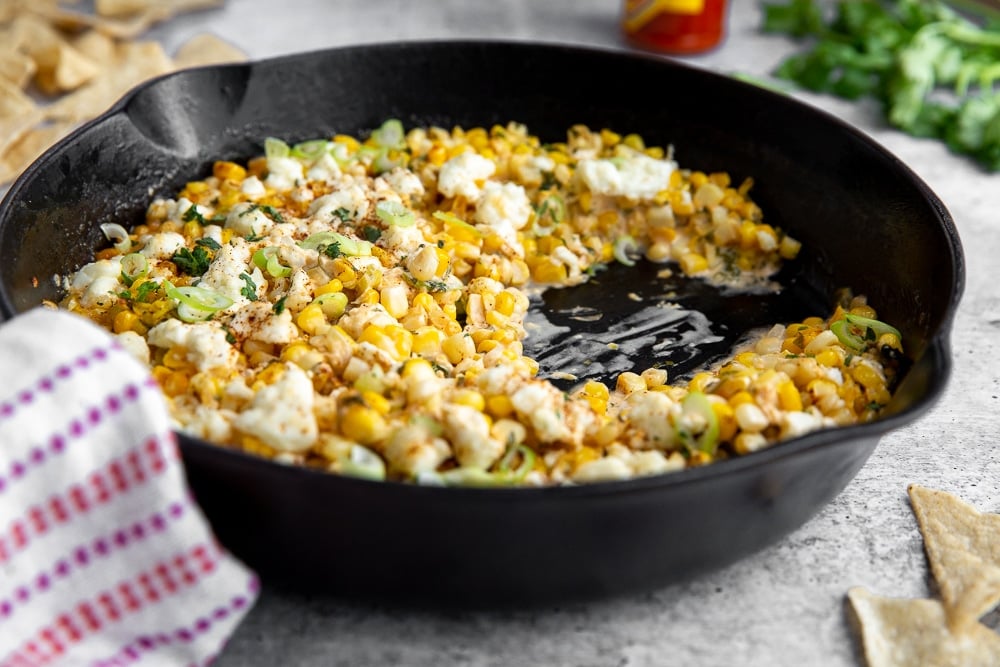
x=104, y=557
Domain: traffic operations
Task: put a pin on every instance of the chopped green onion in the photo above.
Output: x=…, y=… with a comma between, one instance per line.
x=455, y=221
x=117, y=235
x=267, y=259
x=554, y=207
x=390, y=135
x=276, y=148
x=697, y=405
x=348, y=246
x=333, y=304
x=623, y=246
x=341, y=154
x=310, y=150
x=393, y=213
x=363, y=463
x=857, y=332
x=134, y=267
x=195, y=304
x=470, y=477
x=527, y=463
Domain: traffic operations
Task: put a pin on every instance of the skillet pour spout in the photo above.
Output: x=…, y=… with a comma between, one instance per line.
x=865, y=220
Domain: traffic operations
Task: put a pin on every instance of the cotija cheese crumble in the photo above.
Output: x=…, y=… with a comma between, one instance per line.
x=358, y=306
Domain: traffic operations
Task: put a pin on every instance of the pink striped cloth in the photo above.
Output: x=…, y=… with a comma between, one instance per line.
x=104, y=557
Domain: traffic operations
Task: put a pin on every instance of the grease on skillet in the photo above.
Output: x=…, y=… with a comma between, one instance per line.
x=358, y=306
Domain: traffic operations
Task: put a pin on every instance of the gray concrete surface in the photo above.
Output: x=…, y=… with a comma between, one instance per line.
x=784, y=606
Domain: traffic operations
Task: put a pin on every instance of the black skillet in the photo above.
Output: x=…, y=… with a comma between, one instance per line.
x=865, y=220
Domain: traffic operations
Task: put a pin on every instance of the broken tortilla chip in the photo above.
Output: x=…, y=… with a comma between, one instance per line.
x=24, y=151
x=963, y=548
x=62, y=68
x=913, y=632
x=207, y=49
x=16, y=68
x=18, y=114
x=95, y=45
x=132, y=24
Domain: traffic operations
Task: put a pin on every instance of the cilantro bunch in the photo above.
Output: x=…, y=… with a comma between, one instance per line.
x=932, y=69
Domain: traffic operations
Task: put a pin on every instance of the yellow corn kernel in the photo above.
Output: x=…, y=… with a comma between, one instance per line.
x=160, y=374
x=227, y=236
x=693, y=263
x=829, y=357
x=505, y=303
x=362, y=424
x=126, y=320
x=629, y=382
x=499, y=406
x=609, y=138
x=427, y=341
x=571, y=461
x=890, y=340
x=312, y=320
x=655, y=152
x=789, y=398
x=333, y=285
x=726, y=417
x=496, y=319
x=255, y=446
x=549, y=271
x=596, y=389
x=175, y=384
x=458, y=347
x=585, y=201
x=740, y=398
x=469, y=397
x=864, y=311
x=228, y=171
x=789, y=248
x=376, y=402
x=700, y=381
x=634, y=141
x=370, y=296
x=376, y=335
x=176, y=358
x=866, y=376
x=402, y=340
x=192, y=230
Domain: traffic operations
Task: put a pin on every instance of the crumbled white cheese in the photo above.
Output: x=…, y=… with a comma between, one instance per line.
x=503, y=205
x=204, y=343
x=283, y=173
x=401, y=181
x=253, y=188
x=224, y=274
x=540, y=405
x=257, y=321
x=324, y=169
x=248, y=220
x=162, y=245
x=353, y=199
x=281, y=414
x=98, y=283
x=636, y=176
x=135, y=345
x=469, y=432
x=462, y=175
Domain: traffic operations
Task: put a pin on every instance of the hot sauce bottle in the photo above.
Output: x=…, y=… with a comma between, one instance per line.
x=674, y=26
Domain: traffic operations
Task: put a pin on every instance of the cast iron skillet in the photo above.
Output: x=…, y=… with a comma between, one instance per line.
x=865, y=220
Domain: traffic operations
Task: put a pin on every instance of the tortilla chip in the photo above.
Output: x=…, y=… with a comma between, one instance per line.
x=32, y=35
x=134, y=63
x=16, y=68
x=130, y=26
x=120, y=8
x=963, y=548
x=207, y=49
x=62, y=68
x=907, y=633
x=18, y=114
x=23, y=152
x=97, y=46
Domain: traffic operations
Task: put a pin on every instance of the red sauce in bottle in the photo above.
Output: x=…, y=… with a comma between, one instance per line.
x=674, y=26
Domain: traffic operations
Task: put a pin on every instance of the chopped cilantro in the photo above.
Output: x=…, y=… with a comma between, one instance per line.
x=193, y=214
x=230, y=338
x=193, y=263
x=440, y=243
x=267, y=210
x=208, y=242
x=279, y=306
x=343, y=213
x=254, y=237
x=145, y=289
x=372, y=233
x=332, y=251
x=249, y=289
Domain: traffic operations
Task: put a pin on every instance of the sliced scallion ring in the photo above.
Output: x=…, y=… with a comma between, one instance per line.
x=393, y=213
x=333, y=304
x=134, y=267
x=117, y=235
x=858, y=332
x=697, y=405
x=341, y=153
x=197, y=298
x=310, y=150
x=363, y=463
x=267, y=259
x=519, y=473
x=623, y=247
x=348, y=246
x=390, y=134
x=276, y=148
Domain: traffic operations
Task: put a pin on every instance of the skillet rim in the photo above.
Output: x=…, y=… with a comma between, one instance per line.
x=938, y=346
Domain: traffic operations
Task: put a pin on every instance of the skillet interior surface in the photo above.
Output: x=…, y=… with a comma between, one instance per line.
x=866, y=222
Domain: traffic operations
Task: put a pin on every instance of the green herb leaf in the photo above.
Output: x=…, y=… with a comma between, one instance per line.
x=193, y=214
x=279, y=306
x=332, y=251
x=208, y=242
x=249, y=289
x=193, y=263
x=372, y=233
